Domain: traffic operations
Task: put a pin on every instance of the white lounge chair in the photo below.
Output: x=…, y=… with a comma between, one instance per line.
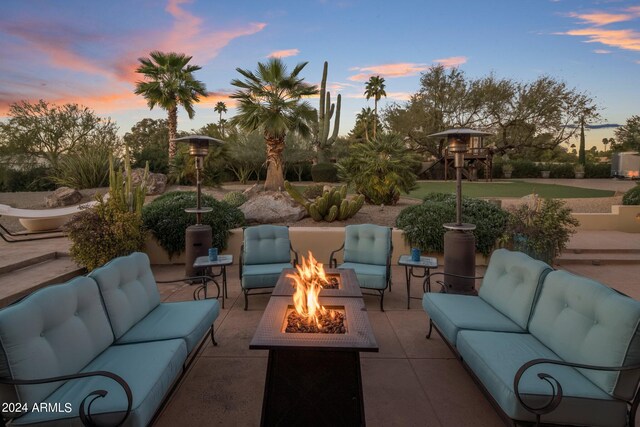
x=39, y=221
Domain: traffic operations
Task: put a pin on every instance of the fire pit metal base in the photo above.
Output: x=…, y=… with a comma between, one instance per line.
x=313, y=387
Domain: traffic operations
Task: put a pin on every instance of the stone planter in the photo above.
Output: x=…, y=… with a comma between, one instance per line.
x=579, y=175
x=545, y=174
x=506, y=174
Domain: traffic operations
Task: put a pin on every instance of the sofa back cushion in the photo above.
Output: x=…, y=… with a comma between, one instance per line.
x=129, y=290
x=583, y=321
x=511, y=283
x=55, y=331
x=367, y=244
x=266, y=244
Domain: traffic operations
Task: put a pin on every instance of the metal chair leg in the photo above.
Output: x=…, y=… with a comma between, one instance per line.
x=430, y=329
x=246, y=299
x=213, y=340
x=382, y=300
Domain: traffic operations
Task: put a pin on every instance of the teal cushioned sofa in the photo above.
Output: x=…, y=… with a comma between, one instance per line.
x=63, y=343
x=565, y=352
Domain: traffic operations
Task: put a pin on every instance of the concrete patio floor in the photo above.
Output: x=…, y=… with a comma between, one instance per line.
x=412, y=381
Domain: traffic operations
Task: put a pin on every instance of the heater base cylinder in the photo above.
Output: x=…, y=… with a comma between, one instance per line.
x=460, y=259
x=198, y=240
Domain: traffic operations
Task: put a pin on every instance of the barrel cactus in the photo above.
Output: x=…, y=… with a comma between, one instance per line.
x=331, y=205
x=234, y=198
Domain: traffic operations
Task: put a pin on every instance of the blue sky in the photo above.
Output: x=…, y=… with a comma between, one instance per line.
x=86, y=51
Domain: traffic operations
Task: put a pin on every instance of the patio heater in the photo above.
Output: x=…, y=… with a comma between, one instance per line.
x=459, y=241
x=198, y=238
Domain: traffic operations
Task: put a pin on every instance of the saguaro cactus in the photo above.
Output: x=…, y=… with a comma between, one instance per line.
x=326, y=111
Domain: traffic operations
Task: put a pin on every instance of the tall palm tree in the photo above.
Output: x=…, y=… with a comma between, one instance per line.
x=220, y=108
x=270, y=100
x=169, y=83
x=374, y=88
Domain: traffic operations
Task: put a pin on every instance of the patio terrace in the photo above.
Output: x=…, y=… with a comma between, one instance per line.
x=411, y=381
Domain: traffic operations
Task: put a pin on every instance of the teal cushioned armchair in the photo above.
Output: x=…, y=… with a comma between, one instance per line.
x=265, y=252
x=367, y=250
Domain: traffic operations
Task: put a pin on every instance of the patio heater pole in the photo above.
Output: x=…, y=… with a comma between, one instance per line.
x=459, y=241
x=198, y=237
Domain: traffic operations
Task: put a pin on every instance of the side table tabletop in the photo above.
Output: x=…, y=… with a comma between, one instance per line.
x=203, y=262
x=426, y=264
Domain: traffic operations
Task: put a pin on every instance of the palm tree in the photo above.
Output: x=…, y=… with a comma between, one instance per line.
x=220, y=108
x=374, y=88
x=270, y=100
x=169, y=83
x=364, y=117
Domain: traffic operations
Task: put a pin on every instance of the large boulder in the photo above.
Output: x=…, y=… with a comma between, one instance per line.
x=156, y=182
x=63, y=196
x=272, y=206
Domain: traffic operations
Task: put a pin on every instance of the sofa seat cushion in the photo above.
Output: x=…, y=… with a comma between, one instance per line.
x=586, y=322
x=452, y=313
x=128, y=289
x=511, y=283
x=149, y=368
x=188, y=320
x=369, y=275
x=495, y=357
x=262, y=275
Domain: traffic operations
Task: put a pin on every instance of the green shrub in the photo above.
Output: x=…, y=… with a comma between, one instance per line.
x=422, y=224
x=380, y=169
x=562, y=170
x=234, y=198
x=30, y=179
x=632, y=196
x=597, y=170
x=312, y=191
x=542, y=230
x=104, y=232
x=166, y=219
x=112, y=228
x=84, y=169
x=525, y=169
x=324, y=172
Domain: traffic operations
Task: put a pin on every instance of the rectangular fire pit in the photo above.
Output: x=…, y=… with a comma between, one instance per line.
x=348, y=285
x=314, y=378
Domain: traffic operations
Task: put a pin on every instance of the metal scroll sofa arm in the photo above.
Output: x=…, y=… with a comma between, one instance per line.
x=333, y=263
x=85, y=417
x=556, y=388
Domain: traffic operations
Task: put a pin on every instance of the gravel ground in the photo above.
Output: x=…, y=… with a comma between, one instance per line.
x=368, y=214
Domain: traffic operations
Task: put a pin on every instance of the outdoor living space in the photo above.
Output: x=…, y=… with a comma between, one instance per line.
x=410, y=381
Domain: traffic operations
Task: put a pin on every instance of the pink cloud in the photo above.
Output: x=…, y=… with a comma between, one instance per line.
x=403, y=69
x=451, y=62
x=283, y=53
x=601, y=18
x=623, y=39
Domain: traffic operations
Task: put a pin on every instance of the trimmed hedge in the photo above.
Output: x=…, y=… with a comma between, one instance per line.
x=166, y=219
x=525, y=169
x=423, y=229
x=562, y=170
x=324, y=172
x=597, y=170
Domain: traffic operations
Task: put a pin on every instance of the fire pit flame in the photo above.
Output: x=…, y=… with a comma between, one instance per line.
x=309, y=281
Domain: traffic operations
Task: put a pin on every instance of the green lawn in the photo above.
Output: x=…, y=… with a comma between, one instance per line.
x=508, y=189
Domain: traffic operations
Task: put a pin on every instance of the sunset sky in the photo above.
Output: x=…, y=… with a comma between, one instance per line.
x=86, y=51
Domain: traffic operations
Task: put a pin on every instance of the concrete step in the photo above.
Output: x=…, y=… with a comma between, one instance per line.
x=602, y=251
x=599, y=258
x=20, y=279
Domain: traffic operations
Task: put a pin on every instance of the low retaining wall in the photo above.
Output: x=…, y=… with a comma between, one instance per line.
x=321, y=241
x=621, y=218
